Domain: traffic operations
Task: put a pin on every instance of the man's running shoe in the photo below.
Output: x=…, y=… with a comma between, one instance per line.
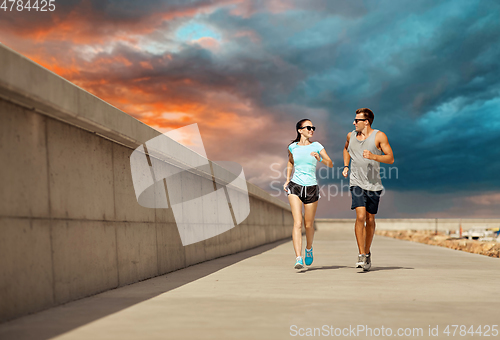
x=368, y=262
x=309, y=257
x=361, y=261
x=299, y=264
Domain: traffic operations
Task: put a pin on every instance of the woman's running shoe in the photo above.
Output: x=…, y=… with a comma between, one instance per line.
x=309, y=257
x=299, y=264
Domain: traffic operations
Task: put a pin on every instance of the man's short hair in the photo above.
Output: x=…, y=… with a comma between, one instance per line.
x=367, y=113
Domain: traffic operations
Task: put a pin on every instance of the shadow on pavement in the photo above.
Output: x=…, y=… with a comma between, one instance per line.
x=64, y=318
x=375, y=269
x=320, y=268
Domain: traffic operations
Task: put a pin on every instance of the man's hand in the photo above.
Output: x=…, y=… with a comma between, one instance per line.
x=344, y=173
x=368, y=154
x=316, y=155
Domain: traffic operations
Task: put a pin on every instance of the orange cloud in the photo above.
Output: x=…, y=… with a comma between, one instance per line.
x=252, y=35
x=52, y=64
x=146, y=65
x=135, y=82
x=84, y=24
x=492, y=199
x=208, y=42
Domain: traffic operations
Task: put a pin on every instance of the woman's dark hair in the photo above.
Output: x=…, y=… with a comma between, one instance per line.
x=297, y=127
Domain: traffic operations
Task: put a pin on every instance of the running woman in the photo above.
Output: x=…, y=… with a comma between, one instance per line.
x=303, y=188
x=367, y=148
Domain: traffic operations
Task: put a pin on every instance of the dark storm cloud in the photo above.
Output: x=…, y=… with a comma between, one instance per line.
x=415, y=65
x=429, y=70
x=86, y=21
x=194, y=72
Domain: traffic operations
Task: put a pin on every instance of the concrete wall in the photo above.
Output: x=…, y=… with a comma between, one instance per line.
x=70, y=224
x=440, y=224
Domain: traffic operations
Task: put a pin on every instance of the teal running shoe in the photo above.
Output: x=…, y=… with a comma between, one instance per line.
x=299, y=264
x=309, y=257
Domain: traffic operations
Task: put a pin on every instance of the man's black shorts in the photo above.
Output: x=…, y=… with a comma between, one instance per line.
x=365, y=198
x=307, y=194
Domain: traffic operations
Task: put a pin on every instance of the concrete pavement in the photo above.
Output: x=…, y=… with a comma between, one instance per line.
x=257, y=294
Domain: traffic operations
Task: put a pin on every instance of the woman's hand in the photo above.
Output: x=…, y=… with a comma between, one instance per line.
x=286, y=184
x=316, y=155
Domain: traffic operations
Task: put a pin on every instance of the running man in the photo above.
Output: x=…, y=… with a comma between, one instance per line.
x=367, y=148
x=303, y=189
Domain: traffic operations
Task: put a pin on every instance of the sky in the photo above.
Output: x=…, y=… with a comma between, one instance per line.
x=247, y=71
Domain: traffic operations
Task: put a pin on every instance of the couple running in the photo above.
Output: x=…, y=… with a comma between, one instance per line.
x=367, y=148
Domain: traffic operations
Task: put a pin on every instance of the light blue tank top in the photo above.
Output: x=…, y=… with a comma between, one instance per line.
x=304, y=163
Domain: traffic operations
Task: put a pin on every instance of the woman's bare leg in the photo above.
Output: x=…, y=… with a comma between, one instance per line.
x=310, y=212
x=296, y=206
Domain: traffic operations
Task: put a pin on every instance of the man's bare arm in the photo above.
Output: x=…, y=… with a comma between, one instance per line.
x=383, y=142
x=347, y=157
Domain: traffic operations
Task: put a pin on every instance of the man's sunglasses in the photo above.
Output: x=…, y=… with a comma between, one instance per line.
x=359, y=120
x=308, y=128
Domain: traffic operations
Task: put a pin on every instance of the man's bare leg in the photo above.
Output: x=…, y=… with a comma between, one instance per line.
x=369, y=231
x=359, y=228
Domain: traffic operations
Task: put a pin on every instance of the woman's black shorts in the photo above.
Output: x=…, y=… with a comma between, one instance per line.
x=307, y=194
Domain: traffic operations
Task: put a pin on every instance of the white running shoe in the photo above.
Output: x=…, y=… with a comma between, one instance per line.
x=361, y=261
x=299, y=264
x=368, y=262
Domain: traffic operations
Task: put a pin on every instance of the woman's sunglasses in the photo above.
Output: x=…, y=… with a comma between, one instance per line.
x=309, y=128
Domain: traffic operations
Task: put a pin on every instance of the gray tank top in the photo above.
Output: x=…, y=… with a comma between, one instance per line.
x=365, y=173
